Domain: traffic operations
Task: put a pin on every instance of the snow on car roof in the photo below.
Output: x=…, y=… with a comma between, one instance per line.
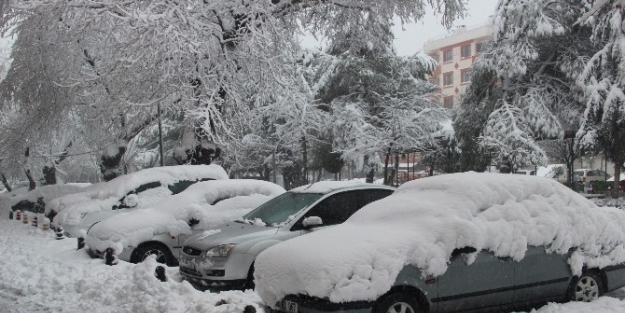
x=324, y=187
x=425, y=220
x=211, y=203
x=549, y=170
x=49, y=192
x=104, y=195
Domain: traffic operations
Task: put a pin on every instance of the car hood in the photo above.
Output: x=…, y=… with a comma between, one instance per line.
x=233, y=232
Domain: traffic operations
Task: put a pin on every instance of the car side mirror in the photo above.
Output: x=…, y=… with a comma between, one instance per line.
x=463, y=250
x=312, y=221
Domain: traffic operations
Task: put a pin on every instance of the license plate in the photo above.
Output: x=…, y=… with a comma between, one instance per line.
x=190, y=263
x=289, y=306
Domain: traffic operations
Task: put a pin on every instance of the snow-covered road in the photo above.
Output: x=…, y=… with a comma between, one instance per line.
x=41, y=274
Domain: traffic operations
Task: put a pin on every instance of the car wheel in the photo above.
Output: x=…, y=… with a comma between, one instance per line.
x=400, y=302
x=586, y=288
x=162, y=253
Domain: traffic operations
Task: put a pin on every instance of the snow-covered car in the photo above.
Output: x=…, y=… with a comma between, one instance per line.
x=456, y=242
x=224, y=258
x=161, y=229
x=588, y=175
x=37, y=199
x=77, y=212
x=557, y=172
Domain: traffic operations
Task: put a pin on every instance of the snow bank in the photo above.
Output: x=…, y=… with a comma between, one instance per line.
x=601, y=305
x=425, y=220
x=40, y=274
x=103, y=196
x=211, y=203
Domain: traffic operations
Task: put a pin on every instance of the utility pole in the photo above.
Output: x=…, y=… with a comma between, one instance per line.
x=160, y=133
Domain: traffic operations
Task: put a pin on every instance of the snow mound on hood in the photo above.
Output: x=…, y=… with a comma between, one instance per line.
x=104, y=195
x=211, y=203
x=425, y=220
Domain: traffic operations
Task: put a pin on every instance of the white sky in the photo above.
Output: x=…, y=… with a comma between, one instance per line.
x=411, y=39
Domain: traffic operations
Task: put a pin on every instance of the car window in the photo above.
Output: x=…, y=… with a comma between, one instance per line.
x=369, y=195
x=143, y=195
x=145, y=187
x=577, y=175
x=182, y=185
x=334, y=209
x=279, y=209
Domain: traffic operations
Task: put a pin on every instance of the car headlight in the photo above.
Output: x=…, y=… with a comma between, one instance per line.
x=221, y=251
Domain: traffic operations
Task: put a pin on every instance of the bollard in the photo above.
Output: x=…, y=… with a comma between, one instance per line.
x=110, y=258
x=18, y=215
x=25, y=217
x=34, y=221
x=81, y=243
x=160, y=273
x=46, y=224
x=59, y=233
x=11, y=215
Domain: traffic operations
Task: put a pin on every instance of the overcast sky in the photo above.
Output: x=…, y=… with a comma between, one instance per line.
x=411, y=39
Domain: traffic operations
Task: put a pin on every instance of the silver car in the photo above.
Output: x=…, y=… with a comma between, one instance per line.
x=225, y=259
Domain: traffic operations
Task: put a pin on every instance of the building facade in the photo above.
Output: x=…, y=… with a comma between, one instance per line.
x=455, y=55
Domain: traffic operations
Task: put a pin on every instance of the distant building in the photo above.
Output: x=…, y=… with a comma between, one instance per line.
x=455, y=55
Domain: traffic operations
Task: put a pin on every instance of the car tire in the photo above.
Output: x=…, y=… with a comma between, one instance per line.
x=586, y=287
x=398, y=302
x=163, y=255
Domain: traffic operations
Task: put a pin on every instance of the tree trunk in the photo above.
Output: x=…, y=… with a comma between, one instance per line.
x=319, y=174
x=386, y=158
x=5, y=182
x=32, y=184
x=305, y=158
x=396, y=170
x=617, y=179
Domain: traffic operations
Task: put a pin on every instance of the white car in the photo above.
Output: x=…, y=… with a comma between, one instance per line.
x=162, y=228
x=588, y=175
x=76, y=212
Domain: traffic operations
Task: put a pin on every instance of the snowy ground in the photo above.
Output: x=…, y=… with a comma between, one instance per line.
x=41, y=274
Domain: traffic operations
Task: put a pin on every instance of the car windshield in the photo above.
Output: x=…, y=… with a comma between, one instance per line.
x=577, y=175
x=277, y=210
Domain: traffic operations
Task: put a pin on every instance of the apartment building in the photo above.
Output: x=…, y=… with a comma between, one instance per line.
x=455, y=55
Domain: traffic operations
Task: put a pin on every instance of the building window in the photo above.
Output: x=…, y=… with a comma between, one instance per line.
x=435, y=81
x=465, y=51
x=448, y=79
x=447, y=56
x=465, y=75
x=448, y=102
x=479, y=47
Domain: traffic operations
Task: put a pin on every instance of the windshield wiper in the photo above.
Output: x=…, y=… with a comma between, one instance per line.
x=244, y=221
